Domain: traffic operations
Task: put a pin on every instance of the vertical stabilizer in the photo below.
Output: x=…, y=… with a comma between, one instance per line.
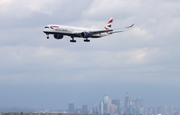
x=108, y=26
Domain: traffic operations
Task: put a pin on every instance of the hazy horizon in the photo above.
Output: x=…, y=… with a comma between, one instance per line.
x=56, y=97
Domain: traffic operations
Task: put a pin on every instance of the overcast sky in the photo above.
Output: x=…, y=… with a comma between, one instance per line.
x=49, y=74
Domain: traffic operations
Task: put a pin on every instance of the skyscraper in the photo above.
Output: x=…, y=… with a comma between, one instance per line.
x=121, y=107
x=171, y=110
x=164, y=108
x=138, y=105
x=117, y=103
x=112, y=109
x=84, y=109
x=106, y=105
x=127, y=102
x=71, y=107
x=95, y=109
x=106, y=99
x=101, y=107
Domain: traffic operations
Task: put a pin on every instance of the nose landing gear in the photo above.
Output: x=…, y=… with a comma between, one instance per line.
x=47, y=36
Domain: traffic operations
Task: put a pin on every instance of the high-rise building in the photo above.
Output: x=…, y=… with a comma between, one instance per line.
x=141, y=111
x=117, y=103
x=145, y=111
x=150, y=111
x=106, y=99
x=71, y=107
x=155, y=111
x=138, y=104
x=107, y=103
x=171, y=110
x=101, y=107
x=159, y=110
x=106, y=108
x=112, y=109
x=121, y=111
x=127, y=102
x=164, y=108
x=131, y=110
x=84, y=109
x=95, y=109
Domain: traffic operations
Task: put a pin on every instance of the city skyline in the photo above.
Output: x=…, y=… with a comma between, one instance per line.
x=116, y=103
x=128, y=107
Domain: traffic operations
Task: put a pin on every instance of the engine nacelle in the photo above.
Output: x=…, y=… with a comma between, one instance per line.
x=58, y=36
x=85, y=34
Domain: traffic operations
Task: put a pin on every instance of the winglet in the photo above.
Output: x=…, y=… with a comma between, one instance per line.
x=130, y=26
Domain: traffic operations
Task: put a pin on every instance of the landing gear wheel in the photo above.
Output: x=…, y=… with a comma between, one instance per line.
x=73, y=41
x=87, y=40
x=47, y=36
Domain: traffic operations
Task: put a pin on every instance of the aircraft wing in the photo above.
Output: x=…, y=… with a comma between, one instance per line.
x=111, y=31
x=117, y=31
x=124, y=27
x=120, y=29
x=100, y=31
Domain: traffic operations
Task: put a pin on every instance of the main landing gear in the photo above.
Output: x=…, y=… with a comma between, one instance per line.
x=73, y=41
x=86, y=40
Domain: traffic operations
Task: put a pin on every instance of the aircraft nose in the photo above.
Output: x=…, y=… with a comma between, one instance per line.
x=45, y=30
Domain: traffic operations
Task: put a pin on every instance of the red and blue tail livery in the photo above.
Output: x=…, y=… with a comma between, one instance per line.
x=108, y=26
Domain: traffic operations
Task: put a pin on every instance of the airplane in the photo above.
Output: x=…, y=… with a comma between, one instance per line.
x=59, y=31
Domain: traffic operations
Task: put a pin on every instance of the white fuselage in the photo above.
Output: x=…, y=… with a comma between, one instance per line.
x=72, y=31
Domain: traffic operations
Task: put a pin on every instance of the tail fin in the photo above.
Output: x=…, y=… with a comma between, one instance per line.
x=108, y=26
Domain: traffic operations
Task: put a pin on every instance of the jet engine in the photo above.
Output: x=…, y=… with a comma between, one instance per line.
x=58, y=36
x=85, y=34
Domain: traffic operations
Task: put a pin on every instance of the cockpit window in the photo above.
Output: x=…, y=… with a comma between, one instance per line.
x=46, y=27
